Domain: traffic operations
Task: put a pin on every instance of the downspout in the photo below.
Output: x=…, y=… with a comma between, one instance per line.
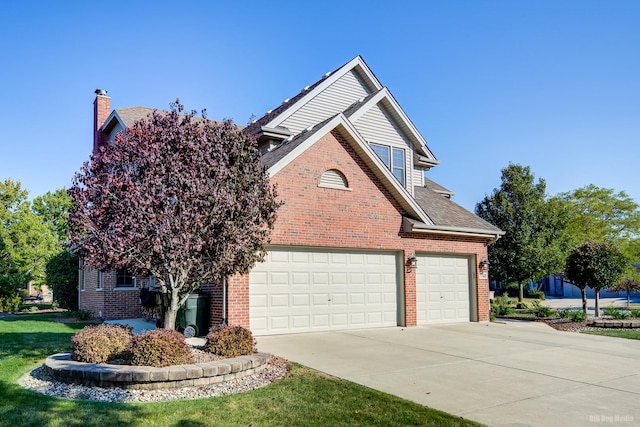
x=224, y=301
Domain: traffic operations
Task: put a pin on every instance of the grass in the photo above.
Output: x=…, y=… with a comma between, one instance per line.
x=305, y=398
x=632, y=334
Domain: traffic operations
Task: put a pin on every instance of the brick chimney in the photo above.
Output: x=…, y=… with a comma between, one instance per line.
x=101, y=110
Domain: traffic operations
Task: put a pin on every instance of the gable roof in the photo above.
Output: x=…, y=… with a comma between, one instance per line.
x=274, y=117
x=277, y=159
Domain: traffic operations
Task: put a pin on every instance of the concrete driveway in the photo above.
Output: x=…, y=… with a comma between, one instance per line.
x=500, y=374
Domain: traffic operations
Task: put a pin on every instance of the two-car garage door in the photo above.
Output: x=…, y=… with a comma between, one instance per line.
x=311, y=289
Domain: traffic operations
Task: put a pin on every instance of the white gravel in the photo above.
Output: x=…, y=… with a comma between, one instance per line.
x=40, y=381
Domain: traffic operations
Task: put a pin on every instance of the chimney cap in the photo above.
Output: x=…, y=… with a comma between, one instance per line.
x=100, y=92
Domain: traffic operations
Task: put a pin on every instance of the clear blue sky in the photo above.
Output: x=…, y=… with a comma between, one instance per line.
x=550, y=84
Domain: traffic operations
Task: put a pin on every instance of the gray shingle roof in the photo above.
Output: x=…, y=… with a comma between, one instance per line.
x=130, y=115
x=444, y=212
x=431, y=185
x=272, y=157
x=254, y=126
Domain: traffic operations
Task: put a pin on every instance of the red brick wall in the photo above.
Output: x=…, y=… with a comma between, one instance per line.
x=366, y=217
x=109, y=302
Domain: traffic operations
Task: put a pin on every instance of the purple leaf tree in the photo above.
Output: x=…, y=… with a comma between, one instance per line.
x=177, y=197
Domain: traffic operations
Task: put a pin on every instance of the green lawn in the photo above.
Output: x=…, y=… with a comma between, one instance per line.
x=633, y=334
x=305, y=398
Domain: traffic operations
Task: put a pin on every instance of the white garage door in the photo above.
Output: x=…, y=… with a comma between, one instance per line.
x=303, y=290
x=442, y=289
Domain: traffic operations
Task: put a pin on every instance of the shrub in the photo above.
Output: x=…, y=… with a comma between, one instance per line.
x=573, y=315
x=80, y=314
x=635, y=312
x=522, y=305
x=101, y=343
x=9, y=303
x=540, y=310
x=160, y=348
x=534, y=294
x=616, y=313
x=230, y=341
x=502, y=306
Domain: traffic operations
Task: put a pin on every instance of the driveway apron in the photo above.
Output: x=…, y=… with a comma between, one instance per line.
x=500, y=374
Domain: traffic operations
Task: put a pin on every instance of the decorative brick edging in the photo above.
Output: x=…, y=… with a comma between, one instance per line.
x=62, y=368
x=615, y=324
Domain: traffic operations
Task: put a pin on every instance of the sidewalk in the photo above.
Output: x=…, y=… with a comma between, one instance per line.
x=561, y=303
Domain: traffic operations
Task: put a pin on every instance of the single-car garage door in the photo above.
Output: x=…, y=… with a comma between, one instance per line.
x=311, y=289
x=442, y=289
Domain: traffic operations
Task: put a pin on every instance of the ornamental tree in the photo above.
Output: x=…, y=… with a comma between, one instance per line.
x=597, y=265
x=177, y=197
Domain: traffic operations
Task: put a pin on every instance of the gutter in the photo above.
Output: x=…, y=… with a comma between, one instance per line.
x=412, y=226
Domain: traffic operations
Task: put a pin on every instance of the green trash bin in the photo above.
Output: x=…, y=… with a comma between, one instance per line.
x=193, y=318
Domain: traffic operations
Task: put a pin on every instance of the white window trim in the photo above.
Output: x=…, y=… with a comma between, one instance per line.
x=391, y=166
x=100, y=285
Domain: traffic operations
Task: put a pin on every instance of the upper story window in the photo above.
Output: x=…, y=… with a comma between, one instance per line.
x=124, y=279
x=393, y=158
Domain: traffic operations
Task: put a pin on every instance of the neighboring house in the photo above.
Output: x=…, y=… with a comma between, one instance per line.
x=558, y=285
x=363, y=239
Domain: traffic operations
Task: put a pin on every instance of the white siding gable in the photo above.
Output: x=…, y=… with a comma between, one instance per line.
x=331, y=101
x=377, y=126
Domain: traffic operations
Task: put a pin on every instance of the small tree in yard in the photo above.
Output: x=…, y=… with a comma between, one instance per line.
x=628, y=284
x=597, y=265
x=177, y=197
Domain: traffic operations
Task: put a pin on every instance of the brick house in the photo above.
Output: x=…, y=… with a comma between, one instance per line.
x=363, y=239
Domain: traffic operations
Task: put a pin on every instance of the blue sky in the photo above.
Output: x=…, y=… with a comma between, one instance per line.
x=550, y=84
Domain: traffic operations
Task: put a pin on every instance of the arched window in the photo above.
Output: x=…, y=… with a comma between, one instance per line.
x=333, y=178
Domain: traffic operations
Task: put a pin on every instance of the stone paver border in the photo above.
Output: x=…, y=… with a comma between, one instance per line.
x=620, y=324
x=62, y=368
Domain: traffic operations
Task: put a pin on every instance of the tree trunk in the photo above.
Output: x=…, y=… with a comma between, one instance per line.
x=520, y=292
x=628, y=297
x=172, y=311
x=597, y=292
x=584, y=300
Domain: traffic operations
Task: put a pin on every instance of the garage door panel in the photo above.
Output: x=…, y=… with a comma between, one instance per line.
x=339, y=299
x=339, y=320
x=320, y=300
x=300, y=290
x=279, y=300
x=300, y=300
x=357, y=279
x=338, y=279
x=300, y=321
x=442, y=289
x=357, y=298
x=320, y=321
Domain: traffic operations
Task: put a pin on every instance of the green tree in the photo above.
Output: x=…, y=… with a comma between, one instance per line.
x=597, y=265
x=179, y=198
x=62, y=277
x=534, y=241
x=599, y=214
x=27, y=242
x=54, y=209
